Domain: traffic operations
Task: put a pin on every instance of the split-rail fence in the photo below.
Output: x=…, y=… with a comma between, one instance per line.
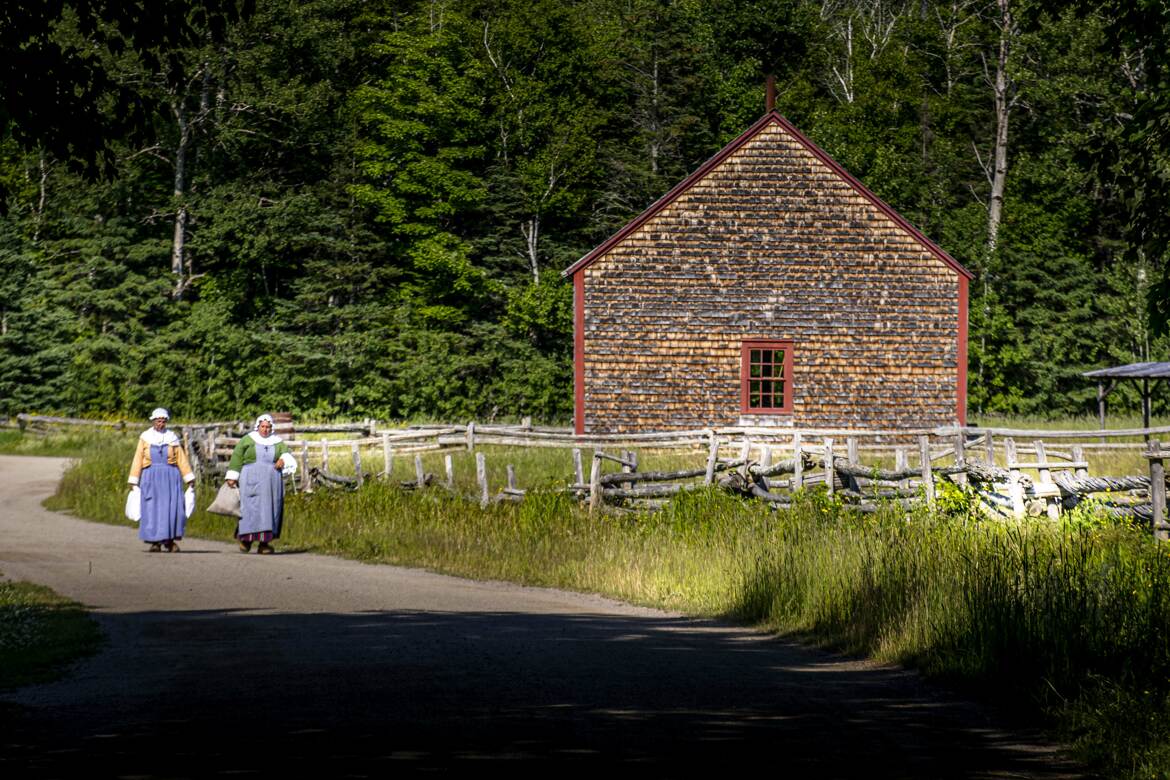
x=1007, y=472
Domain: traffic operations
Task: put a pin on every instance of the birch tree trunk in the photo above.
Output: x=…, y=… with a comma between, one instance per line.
x=655, y=118
x=42, y=193
x=180, y=263
x=1004, y=101
x=180, y=193
x=531, y=232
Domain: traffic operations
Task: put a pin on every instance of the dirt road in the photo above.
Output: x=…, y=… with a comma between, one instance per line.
x=221, y=663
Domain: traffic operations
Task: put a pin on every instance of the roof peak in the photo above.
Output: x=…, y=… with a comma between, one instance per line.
x=751, y=132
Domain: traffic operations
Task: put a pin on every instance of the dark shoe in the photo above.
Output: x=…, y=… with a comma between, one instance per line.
x=156, y=547
x=171, y=547
x=245, y=547
x=265, y=549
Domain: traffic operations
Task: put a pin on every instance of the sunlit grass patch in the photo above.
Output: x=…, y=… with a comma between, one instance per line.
x=58, y=444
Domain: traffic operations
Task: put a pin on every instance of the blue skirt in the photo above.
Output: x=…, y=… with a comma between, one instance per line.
x=164, y=515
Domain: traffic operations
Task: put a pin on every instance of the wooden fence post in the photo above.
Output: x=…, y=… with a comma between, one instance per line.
x=595, y=483
x=357, y=463
x=901, y=463
x=420, y=476
x=387, y=455
x=745, y=452
x=1014, y=486
x=325, y=455
x=193, y=452
x=1158, y=491
x=306, y=480
x=481, y=479
x=927, y=473
x=990, y=444
x=712, y=458
x=471, y=436
x=578, y=469
x=511, y=477
x=765, y=462
x=961, y=456
x=853, y=455
x=798, y=460
x=1078, y=453
x=830, y=467
x=1046, y=486
x=449, y=467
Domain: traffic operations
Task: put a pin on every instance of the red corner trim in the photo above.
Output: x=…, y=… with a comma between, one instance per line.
x=579, y=352
x=724, y=153
x=962, y=357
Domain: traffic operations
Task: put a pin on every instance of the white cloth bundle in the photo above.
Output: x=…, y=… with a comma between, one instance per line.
x=134, y=504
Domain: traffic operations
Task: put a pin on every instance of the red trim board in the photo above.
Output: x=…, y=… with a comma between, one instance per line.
x=961, y=412
x=579, y=352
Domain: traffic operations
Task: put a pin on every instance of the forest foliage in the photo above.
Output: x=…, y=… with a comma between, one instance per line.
x=362, y=207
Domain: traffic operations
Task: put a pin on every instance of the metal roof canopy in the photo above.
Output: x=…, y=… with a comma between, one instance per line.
x=1142, y=371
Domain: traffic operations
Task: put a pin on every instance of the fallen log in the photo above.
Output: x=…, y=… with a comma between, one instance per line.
x=1085, y=485
x=776, y=469
x=336, y=479
x=880, y=495
x=650, y=491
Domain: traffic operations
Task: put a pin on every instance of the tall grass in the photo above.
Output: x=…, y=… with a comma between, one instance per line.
x=1066, y=620
x=14, y=442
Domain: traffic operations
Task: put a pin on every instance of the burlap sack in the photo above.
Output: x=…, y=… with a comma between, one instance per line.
x=227, y=501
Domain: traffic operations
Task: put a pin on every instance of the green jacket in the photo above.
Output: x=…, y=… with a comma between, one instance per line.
x=245, y=453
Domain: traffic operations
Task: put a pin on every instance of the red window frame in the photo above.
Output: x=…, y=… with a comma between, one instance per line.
x=760, y=388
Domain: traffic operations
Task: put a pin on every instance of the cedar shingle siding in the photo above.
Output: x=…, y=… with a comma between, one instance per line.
x=770, y=243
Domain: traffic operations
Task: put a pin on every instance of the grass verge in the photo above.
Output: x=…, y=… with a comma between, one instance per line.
x=40, y=634
x=53, y=445
x=1062, y=621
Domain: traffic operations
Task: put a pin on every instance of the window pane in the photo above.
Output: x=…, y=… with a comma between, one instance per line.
x=767, y=386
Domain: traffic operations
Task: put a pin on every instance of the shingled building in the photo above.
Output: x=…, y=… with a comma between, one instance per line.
x=769, y=288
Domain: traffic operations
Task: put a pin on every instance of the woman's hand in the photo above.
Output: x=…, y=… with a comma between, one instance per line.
x=231, y=483
x=279, y=465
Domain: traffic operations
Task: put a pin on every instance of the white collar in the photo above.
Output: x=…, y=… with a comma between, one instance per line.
x=266, y=440
x=154, y=438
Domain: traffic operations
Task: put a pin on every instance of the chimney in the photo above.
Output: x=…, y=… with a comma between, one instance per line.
x=770, y=94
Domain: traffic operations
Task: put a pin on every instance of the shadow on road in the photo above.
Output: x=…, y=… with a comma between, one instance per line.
x=204, y=693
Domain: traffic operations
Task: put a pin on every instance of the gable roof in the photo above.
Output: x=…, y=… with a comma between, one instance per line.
x=731, y=148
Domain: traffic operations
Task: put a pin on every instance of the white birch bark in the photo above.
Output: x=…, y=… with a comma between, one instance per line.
x=1004, y=89
x=180, y=193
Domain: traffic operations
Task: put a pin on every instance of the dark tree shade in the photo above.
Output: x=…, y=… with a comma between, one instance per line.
x=55, y=90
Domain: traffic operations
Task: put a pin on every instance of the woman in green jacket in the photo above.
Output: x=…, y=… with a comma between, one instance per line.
x=259, y=464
